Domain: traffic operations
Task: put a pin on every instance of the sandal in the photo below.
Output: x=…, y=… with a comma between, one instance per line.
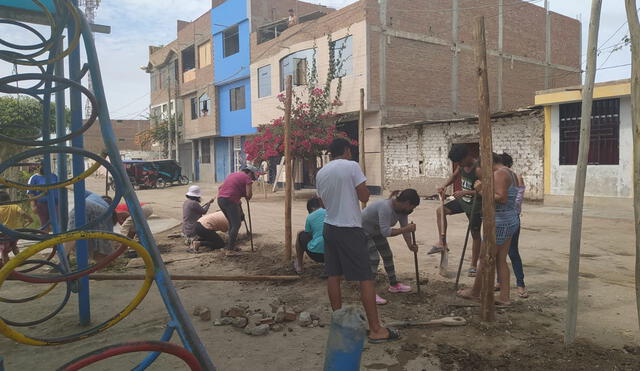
x=393, y=336
x=523, y=294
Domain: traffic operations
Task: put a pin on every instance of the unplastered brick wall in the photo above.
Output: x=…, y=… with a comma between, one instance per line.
x=416, y=155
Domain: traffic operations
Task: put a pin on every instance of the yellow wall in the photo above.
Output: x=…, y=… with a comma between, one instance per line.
x=547, y=150
x=600, y=92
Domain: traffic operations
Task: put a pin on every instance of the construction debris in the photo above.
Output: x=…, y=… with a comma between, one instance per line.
x=256, y=322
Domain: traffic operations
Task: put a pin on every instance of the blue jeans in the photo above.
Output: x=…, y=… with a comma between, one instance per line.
x=516, y=261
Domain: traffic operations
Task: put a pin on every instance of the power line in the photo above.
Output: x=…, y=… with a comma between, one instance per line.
x=130, y=103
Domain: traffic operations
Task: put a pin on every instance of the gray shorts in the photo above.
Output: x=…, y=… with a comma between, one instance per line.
x=346, y=253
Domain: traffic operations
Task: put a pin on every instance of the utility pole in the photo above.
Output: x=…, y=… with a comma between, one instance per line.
x=487, y=310
x=175, y=102
x=581, y=174
x=363, y=165
x=169, y=139
x=287, y=172
x=634, y=32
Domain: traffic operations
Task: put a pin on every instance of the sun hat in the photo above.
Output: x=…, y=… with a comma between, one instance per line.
x=252, y=169
x=194, y=191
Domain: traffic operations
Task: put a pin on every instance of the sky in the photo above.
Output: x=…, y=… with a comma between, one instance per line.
x=136, y=24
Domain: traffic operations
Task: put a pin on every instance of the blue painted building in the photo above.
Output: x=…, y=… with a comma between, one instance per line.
x=231, y=29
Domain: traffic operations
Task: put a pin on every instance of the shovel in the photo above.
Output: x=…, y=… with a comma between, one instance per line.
x=444, y=255
x=446, y=322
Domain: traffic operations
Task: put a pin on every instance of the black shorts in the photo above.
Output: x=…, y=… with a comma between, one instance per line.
x=459, y=207
x=303, y=240
x=346, y=253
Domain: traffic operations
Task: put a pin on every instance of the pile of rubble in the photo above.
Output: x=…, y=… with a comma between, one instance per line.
x=257, y=322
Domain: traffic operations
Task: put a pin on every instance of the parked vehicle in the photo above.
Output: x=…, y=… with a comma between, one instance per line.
x=170, y=171
x=144, y=174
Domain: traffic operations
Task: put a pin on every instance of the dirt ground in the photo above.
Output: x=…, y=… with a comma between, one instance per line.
x=526, y=336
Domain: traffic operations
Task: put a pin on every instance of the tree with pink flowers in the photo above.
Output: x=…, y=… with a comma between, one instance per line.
x=313, y=118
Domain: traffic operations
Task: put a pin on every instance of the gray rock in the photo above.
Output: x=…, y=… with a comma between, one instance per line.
x=260, y=330
x=315, y=317
x=298, y=308
x=239, y=322
x=280, y=315
x=277, y=328
x=217, y=323
x=305, y=319
x=197, y=310
x=256, y=319
x=315, y=323
x=225, y=321
x=205, y=314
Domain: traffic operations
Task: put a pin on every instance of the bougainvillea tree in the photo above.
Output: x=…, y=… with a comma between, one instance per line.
x=313, y=117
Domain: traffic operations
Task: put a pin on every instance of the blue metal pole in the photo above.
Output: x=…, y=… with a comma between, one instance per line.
x=82, y=253
x=179, y=315
x=61, y=126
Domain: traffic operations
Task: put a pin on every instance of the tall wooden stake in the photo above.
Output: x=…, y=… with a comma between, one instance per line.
x=363, y=165
x=487, y=310
x=634, y=30
x=287, y=176
x=581, y=175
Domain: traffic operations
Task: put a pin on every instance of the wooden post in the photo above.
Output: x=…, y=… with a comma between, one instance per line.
x=363, y=165
x=287, y=176
x=487, y=310
x=634, y=31
x=581, y=175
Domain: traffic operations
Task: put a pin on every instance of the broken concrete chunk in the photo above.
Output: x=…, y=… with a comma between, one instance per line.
x=277, y=328
x=315, y=317
x=197, y=310
x=236, y=312
x=280, y=315
x=290, y=316
x=298, y=308
x=260, y=330
x=239, y=322
x=305, y=319
x=226, y=321
x=205, y=314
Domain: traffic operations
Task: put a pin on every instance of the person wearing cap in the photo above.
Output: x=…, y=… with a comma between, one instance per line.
x=192, y=211
x=235, y=187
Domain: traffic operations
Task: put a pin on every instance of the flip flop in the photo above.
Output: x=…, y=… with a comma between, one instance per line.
x=393, y=336
x=524, y=294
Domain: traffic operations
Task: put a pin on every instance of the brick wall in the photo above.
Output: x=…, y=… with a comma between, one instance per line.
x=125, y=131
x=416, y=155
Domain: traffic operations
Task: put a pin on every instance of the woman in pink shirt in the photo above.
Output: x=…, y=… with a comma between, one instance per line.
x=235, y=187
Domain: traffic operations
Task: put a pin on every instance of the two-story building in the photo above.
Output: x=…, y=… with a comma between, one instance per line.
x=181, y=75
x=415, y=61
x=233, y=21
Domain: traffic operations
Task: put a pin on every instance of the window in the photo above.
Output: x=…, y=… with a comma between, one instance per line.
x=188, y=59
x=231, y=41
x=237, y=98
x=296, y=65
x=605, y=132
x=194, y=108
x=205, y=147
x=264, y=81
x=204, y=54
x=342, y=54
x=205, y=104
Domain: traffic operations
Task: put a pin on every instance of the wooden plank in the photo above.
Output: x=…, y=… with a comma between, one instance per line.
x=487, y=310
x=634, y=30
x=187, y=277
x=581, y=175
x=288, y=176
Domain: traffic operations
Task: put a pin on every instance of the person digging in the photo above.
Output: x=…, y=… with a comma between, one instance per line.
x=468, y=171
x=377, y=221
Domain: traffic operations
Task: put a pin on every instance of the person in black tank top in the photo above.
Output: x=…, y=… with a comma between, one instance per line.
x=466, y=201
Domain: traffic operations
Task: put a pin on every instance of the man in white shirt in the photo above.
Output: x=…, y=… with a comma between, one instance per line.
x=341, y=184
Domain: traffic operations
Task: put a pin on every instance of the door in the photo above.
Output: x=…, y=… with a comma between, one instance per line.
x=186, y=160
x=474, y=148
x=223, y=158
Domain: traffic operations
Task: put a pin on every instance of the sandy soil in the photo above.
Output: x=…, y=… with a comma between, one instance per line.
x=526, y=336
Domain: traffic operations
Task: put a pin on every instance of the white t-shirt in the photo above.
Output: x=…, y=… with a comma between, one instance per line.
x=336, y=183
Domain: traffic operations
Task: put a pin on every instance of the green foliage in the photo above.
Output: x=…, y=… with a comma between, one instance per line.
x=22, y=117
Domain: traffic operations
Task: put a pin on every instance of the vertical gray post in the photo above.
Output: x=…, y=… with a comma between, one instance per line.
x=500, y=49
x=383, y=58
x=547, y=82
x=455, y=63
x=634, y=30
x=581, y=175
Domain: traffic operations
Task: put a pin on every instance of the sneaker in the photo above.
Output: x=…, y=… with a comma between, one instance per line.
x=380, y=301
x=399, y=287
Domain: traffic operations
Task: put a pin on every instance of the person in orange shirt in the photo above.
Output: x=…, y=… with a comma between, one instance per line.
x=206, y=230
